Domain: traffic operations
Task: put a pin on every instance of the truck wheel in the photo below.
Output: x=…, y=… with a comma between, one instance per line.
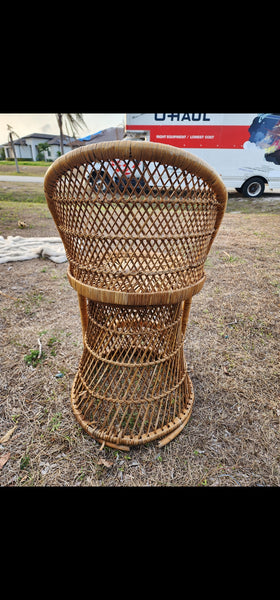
x=253, y=187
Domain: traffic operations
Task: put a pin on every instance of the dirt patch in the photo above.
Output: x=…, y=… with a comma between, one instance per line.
x=232, y=350
x=26, y=219
x=37, y=170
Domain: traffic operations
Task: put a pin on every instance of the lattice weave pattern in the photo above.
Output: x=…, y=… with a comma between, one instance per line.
x=137, y=221
x=131, y=230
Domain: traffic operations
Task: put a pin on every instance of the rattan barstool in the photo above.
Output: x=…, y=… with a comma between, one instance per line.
x=137, y=220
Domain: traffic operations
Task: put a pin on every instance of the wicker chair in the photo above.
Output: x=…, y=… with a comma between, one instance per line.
x=137, y=220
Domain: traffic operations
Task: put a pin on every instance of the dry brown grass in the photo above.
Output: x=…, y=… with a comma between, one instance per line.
x=232, y=349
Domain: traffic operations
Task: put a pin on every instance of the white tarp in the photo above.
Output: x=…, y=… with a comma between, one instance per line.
x=15, y=248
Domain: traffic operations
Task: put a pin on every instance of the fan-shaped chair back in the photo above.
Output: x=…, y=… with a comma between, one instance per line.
x=135, y=218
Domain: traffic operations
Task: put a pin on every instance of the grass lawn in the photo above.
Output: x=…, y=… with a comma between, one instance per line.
x=231, y=347
x=28, y=163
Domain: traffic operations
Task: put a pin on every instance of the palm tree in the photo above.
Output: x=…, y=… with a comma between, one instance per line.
x=11, y=142
x=75, y=121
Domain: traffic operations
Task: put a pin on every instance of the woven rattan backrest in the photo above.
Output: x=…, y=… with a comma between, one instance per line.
x=136, y=219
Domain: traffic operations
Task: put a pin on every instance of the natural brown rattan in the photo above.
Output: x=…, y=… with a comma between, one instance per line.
x=137, y=220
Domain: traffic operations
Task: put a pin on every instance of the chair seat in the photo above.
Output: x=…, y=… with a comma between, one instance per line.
x=133, y=298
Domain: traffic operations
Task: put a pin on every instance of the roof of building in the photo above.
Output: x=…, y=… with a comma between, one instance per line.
x=48, y=137
x=104, y=135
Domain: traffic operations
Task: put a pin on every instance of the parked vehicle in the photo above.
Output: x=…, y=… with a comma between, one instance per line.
x=118, y=175
x=244, y=148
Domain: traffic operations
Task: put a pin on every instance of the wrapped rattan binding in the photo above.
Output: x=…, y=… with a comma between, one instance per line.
x=137, y=220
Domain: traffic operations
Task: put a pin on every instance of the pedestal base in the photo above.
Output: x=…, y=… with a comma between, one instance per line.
x=132, y=385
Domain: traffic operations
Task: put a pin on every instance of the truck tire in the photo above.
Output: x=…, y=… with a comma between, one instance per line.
x=253, y=187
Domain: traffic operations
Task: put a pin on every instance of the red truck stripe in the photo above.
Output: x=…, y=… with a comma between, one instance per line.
x=197, y=136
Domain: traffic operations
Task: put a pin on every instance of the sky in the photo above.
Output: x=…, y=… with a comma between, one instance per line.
x=27, y=123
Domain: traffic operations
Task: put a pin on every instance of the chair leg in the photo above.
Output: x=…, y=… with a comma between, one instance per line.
x=83, y=313
x=185, y=317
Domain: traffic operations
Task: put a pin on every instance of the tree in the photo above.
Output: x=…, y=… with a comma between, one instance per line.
x=41, y=149
x=11, y=142
x=74, y=121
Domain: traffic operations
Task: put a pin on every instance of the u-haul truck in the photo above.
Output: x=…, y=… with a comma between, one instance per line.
x=244, y=148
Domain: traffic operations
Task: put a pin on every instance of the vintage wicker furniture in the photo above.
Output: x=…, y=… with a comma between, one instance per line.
x=137, y=220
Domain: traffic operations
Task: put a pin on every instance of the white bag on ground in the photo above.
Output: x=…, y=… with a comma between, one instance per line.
x=19, y=248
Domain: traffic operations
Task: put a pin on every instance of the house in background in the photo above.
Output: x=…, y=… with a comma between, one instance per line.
x=26, y=148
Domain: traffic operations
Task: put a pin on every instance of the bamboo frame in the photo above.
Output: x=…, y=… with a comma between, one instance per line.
x=137, y=220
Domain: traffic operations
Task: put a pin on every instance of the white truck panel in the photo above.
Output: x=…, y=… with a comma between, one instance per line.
x=239, y=146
